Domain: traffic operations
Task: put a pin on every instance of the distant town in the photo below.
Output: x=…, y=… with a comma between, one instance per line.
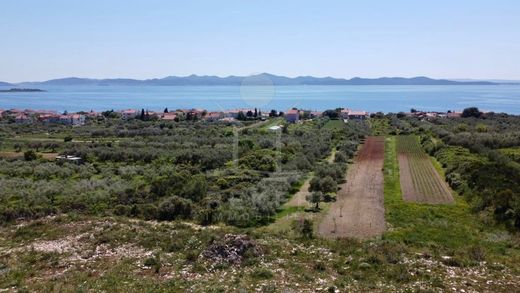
x=294, y=115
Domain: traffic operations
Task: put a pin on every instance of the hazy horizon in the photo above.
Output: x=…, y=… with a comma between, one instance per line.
x=150, y=39
x=293, y=76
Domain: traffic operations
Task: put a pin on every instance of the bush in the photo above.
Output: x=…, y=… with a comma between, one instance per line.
x=30, y=155
x=304, y=228
x=175, y=208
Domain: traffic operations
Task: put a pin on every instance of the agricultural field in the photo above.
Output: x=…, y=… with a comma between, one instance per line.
x=420, y=181
x=359, y=210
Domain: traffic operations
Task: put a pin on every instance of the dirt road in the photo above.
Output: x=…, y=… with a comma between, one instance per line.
x=359, y=210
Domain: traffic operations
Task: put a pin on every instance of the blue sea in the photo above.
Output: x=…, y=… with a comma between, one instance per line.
x=497, y=98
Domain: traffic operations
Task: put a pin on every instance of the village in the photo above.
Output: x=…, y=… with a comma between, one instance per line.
x=294, y=115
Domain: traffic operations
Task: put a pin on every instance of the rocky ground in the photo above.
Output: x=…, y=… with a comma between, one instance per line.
x=101, y=254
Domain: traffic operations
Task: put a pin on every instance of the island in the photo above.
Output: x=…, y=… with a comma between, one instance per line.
x=19, y=90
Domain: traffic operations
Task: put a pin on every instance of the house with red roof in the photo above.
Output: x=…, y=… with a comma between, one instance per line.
x=292, y=115
x=170, y=116
x=129, y=114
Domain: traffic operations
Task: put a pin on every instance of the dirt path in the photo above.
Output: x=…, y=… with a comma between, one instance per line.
x=359, y=210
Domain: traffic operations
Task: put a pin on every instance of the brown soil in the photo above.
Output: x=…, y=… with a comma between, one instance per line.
x=405, y=177
x=420, y=181
x=359, y=210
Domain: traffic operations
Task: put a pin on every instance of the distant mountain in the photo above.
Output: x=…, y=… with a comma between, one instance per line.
x=237, y=80
x=501, y=81
x=5, y=84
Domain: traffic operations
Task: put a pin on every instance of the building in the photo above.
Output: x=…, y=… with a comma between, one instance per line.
x=357, y=115
x=292, y=115
x=316, y=114
x=72, y=119
x=349, y=114
x=129, y=114
x=214, y=116
x=69, y=159
x=22, y=119
x=454, y=114
x=233, y=113
x=344, y=113
x=169, y=116
x=49, y=118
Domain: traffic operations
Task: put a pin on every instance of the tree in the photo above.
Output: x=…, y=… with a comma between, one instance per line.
x=471, y=112
x=273, y=113
x=314, y=184
x=35, y=145
x=166, y=110
x=315, y=198
x=241, y=116
x=30, y=155
x=332, y=114
x=328, y=184
x=249, y=113
x=142, y=114
x=256, y=113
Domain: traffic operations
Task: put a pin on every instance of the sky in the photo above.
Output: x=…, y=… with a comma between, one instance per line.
x=41, y=40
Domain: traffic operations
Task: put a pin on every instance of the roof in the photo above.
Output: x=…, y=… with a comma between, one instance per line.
x=169, y=116
x=292, y=112
x=358, y=113
x=214, y=114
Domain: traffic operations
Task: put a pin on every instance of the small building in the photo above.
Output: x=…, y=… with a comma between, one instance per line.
x=357, y=115
x=229, y=120
x=316, y=114
x=344, y=113
x=233, y=113
x=69, y=159
x=72, y=119
x=454, y=114
x=169, y=116
x=49, y=118
x=214, y=116
x=129, y=114
x=292, y=115
x=22, y=119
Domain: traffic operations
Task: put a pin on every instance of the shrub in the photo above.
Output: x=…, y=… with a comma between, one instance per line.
x=174, y=208
x=30, y=155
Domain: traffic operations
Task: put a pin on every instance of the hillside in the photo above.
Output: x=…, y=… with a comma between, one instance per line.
x=264, y=78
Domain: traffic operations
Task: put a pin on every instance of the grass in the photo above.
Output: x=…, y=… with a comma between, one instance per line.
x=334, y=124
x=441, y=228
x=272, y=122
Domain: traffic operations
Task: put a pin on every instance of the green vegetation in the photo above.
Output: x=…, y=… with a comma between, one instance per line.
x=430, y=226
x=170, y=206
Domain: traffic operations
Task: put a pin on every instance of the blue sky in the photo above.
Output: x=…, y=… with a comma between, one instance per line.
x=145, y=39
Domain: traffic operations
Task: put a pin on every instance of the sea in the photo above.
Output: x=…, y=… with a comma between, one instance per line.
x=392, y=98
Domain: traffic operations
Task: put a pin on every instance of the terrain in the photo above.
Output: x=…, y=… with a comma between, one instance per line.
x=420, y=181
x=358, y=211
x=167, y=206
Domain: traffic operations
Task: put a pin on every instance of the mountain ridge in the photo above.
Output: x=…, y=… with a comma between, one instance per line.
x=259, y=79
